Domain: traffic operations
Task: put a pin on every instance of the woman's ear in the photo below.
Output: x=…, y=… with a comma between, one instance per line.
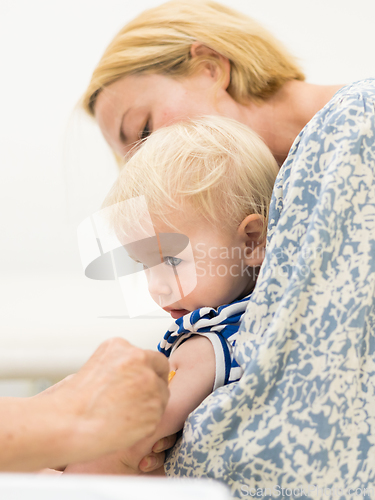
x=217, y=71
x=252, y=234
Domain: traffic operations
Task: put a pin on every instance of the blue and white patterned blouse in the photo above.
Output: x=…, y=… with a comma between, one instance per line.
x=220, y=326
x=302, y=417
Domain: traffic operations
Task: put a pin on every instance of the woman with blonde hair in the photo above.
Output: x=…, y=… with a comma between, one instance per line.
x=302, y=415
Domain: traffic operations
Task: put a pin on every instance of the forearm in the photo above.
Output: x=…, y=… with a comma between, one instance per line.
x=34, y=435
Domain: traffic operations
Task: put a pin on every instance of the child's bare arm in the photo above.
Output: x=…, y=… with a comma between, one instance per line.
x=194, y=363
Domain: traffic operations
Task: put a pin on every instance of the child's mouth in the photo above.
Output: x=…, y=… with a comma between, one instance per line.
x=177, y=313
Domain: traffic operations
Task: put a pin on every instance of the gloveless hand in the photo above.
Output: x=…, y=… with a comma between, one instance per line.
x=116, y=399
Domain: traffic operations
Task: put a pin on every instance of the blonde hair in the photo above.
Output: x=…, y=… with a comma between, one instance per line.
x=211, y=166
x=159, y=41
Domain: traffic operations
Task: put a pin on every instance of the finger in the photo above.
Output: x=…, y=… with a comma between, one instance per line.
x=111, y=346
x=164, y=443
x=151, y=462
x=159, y=363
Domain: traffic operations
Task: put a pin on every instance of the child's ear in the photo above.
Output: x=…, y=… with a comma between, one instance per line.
x=219, y=71
x=253, y=237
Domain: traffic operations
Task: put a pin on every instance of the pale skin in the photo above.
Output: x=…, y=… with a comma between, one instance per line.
x=193, y=361
x=135, y=105
x=128, y=105
x=119, y=394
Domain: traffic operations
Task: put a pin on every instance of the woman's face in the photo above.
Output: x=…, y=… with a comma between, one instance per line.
x=134, y=106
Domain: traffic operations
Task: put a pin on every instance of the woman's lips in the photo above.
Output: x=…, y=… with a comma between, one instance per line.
x=177, y=313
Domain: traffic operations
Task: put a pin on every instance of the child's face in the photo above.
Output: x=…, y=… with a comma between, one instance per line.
x=210, y=271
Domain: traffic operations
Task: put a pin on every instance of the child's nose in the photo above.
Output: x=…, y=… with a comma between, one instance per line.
x=157, y=282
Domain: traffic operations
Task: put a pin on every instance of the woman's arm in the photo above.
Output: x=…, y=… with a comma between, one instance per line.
x=119, y=394
x=194, y=363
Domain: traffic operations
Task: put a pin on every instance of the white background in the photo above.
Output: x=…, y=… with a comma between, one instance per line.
x=55, y=168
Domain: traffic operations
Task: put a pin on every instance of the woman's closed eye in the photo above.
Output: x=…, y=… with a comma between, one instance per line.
x=172, y=261
x=143, y=134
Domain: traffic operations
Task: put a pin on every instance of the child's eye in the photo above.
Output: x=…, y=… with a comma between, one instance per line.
x=172, y=261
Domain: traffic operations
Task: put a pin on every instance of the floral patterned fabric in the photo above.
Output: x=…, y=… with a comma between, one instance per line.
x=303, y=414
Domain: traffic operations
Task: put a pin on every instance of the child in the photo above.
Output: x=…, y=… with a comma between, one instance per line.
x=209, y=181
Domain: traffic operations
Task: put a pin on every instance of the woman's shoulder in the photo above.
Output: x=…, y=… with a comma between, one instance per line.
x=364, y=88
x=350, y=108
x=347, y=105
x=342, y=124
x=349, y=102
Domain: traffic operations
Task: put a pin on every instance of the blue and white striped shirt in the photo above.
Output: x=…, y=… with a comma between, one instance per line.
x=220, y=326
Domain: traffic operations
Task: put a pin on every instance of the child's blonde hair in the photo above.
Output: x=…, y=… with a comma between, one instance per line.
x=160, y=39
x=211, y=166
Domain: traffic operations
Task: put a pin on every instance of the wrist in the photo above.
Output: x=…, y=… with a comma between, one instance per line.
x=75, y=435
x=35, y=435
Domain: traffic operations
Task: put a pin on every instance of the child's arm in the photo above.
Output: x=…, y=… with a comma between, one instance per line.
x=194, y=364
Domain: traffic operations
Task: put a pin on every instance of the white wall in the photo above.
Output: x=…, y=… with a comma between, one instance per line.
x=55, y=168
